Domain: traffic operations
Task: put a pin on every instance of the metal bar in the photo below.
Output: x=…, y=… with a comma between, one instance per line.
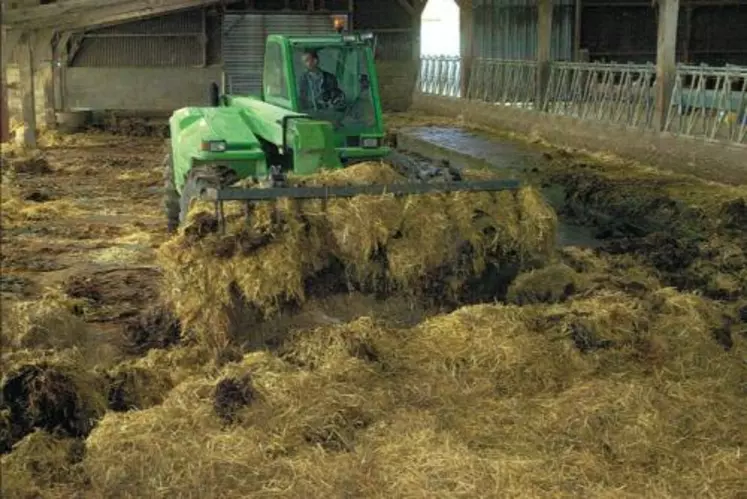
x=578, y=10
x=647, y=3
x=204, y=38
x=238, y=194
x=143, y=35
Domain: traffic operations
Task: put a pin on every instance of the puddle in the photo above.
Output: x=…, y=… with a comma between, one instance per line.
x=474, y=149
x=467, y=149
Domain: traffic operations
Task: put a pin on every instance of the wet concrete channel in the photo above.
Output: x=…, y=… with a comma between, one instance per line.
x=467, y=149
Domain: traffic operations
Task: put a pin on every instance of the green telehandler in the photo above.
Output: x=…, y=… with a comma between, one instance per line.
x=294, y=128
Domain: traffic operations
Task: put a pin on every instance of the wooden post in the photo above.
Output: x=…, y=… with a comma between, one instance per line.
x=577, y=30
x=9, y=42
x=666, y=59
x=60, y=52
x=43, y=58
x=416, y=28
x=4, y=108
x=544, y=44
x=28, y=102
x=467, y=44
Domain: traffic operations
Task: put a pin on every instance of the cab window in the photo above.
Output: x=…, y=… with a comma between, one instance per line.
x=333, y=85
x=275, y=79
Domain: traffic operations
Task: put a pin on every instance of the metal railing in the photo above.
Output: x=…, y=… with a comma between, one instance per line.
x=613, y=93
x=440, y=75
x=709, y=103
x=504, y=82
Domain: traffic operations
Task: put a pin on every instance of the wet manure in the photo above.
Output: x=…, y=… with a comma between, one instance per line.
x=55, y=394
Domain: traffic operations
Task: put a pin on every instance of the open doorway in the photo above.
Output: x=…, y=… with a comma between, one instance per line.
x=439, y=32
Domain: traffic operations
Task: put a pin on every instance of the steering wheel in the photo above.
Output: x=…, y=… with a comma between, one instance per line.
x=336, y=98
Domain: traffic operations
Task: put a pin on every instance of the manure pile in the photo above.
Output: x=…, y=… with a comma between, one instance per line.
x=440, y=247
x=603, y=392
x=592, y=379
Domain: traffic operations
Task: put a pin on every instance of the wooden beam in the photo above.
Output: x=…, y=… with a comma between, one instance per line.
x=28, y=102
x=44, y=60
x=578, y=11
x=23, y=15
x=75, y=43
x=97, y=15
x=10, y=39
x=467, y=45
x=544, y=45
x=60, y=50
x=666, y=59
x=405, y=4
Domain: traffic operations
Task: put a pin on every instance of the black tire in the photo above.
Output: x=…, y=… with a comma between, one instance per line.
x=170, y=195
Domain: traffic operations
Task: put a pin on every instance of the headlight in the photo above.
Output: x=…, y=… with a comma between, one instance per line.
x=370, y=143
x=214, y=145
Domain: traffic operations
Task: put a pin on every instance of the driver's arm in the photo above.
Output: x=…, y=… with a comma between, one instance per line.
x=339, y=98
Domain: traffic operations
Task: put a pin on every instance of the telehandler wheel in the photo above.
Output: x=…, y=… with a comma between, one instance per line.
x=170, y=196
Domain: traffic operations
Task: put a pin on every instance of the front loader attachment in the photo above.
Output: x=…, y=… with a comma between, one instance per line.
x=219, y=196
x=419, y=176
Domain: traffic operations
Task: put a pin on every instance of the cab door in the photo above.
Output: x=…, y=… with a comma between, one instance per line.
x=276, y=82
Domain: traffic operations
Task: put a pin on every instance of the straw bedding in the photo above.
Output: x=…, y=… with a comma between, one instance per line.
x=617, y=387
x=430, y=247
x=491, y=400
x=591, y=380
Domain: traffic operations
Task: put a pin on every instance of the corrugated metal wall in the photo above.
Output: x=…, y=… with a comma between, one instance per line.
x=507, y=29
x=171, y=40
x=244, y=38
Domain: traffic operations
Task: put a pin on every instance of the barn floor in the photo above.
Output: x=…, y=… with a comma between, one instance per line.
x=616, y=371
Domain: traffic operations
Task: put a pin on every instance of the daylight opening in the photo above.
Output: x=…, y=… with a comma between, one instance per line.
x=439, y=32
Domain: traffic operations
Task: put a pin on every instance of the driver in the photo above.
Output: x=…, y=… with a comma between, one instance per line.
x=319, y=89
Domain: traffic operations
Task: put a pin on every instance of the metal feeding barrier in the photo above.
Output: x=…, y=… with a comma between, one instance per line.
x=613, y=93
x=440, y=75
x=709, y=103
x=504, y=82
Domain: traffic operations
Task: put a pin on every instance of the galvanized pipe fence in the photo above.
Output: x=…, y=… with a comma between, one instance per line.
x=709, y=103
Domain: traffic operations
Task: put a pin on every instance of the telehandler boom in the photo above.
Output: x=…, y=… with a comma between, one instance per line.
x=319, y=108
